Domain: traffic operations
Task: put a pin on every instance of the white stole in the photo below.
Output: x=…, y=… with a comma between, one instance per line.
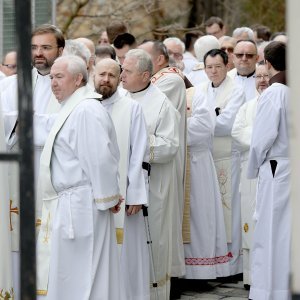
x=121, y=116
x=222, y=155
x=48, y=194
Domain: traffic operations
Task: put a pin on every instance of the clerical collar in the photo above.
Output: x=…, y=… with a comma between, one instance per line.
x=249, y=75
x=279, y=77
x=142, y=89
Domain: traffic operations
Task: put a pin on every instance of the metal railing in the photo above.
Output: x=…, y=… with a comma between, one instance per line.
x=25, y=154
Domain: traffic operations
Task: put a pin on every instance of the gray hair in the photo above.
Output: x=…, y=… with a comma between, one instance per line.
x=240, y=30
x=144, y=62
x=176, y=40
x=75, y=65
x=204, y=44
x=77, y=48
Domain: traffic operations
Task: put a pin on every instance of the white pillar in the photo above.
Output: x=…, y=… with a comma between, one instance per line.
x=293, y=25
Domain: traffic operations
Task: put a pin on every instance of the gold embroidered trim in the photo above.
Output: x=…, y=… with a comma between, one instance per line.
x=151, y=148
x=12, y=210
x=107, y=199
x=7, y=295
x=162, y=281
x=38, y=222
x=119, y=234
x=246, y=227
x=42, y=292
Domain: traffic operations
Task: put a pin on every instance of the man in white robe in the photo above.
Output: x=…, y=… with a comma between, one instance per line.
x=47, y=44
x=170, y=81
x=76, y=249
x=269, y=161
x=245, y=58
x=241, y=133
x=206, y=257
x=162, y=121
x=130, y=126
x=226, y=97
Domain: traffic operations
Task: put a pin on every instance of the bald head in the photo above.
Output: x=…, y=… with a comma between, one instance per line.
x=107, y=77
x=91, y=46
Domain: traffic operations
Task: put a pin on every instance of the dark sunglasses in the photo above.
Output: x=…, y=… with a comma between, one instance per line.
x=228, y=49
x=248, y=55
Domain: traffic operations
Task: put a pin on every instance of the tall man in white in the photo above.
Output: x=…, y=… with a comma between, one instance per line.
x=130, y=125
x=206, y=257
x=170, y=81
x=269, y=161
x=76, y=248
x=241, y=134
x=162, y=121
x=226, y=97
x=245, y=58
x=47, y=44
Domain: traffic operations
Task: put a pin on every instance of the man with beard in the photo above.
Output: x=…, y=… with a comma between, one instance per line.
x=128, y=119
x=47, y=44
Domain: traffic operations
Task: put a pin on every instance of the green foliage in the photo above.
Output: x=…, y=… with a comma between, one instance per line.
x=267, y=12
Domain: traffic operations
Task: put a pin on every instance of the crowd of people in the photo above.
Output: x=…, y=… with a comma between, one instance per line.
x=154, y=161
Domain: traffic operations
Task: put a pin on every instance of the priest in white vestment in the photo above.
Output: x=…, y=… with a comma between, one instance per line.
x=170, y=81
x=226, y=97
x=245, y=58
x=269, y=161
x=206, y=257
x=130, y=126
x=47, y=44
x=162, y=121
x=76, y=249
x=241, y=133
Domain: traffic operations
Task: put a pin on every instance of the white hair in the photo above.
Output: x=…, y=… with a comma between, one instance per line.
x=73, y=47
x=177, y=41
x=240, y=30
x=75, y=65
x=204, y=44
x=144, y=62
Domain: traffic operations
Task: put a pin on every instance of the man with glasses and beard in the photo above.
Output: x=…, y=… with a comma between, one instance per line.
x=245, y=58
x=47, y=44
x=130, y=126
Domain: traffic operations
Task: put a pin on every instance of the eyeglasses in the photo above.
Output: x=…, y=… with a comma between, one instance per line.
x=248, y=55
x=175, y=54
x=228, y=49
x=9, y=66
x=44, y=48
x=265, y=76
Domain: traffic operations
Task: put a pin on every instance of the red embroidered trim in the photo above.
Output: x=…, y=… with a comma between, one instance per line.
x=209, y=261
x=166, y=71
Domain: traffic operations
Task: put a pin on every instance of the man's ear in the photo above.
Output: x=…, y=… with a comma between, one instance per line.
x=60, y=51
x=78, y=79
x=146, y=76
x=268, y=65
x=160, y=60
